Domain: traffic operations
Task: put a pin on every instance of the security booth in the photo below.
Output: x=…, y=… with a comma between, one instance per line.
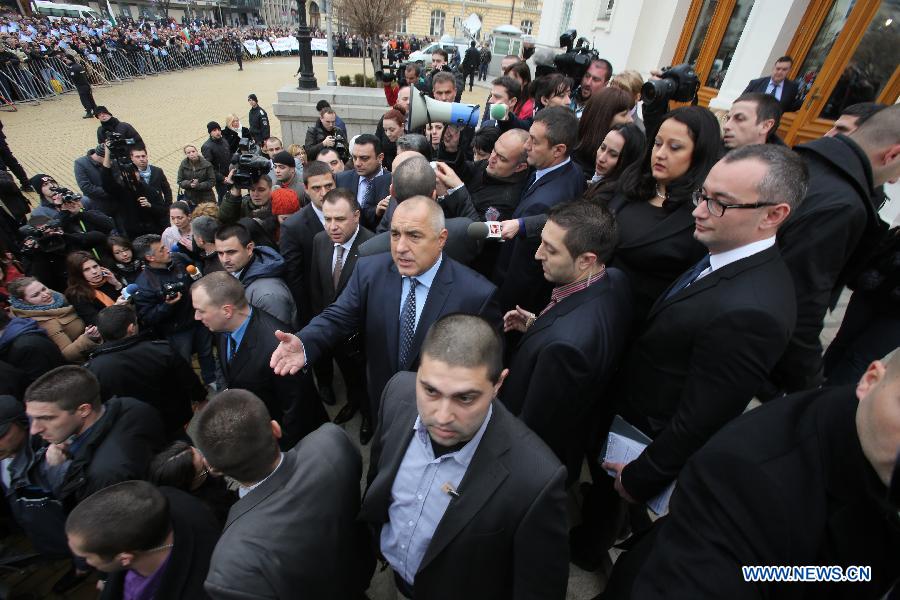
x=505, y=39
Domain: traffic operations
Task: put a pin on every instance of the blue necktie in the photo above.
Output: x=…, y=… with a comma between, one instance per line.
x=408, y=322
x=689, y=277
x=369, y=192
x=232, y=347
x=531, y=181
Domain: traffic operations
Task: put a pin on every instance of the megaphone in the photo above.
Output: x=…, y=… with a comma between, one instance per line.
x=423, y=110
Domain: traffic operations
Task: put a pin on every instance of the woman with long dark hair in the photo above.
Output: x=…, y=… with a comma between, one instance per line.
x=653, y=203
x=622, y=146
x=521, y=72
x=610, y=106
x=91, y=286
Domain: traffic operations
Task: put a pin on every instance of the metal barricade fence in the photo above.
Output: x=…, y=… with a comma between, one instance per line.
x=45, y=78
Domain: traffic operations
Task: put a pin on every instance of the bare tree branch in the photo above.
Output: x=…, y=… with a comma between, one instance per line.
x=371, y=18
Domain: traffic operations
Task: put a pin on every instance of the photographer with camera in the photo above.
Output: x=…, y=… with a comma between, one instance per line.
x=326, y=134
x=139, y=208
x=109, y=123
x=163, y=302
x=594, y=79
x=440, y=64
x=250, y=173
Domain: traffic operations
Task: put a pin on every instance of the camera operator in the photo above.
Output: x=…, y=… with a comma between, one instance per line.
x=163, y=302
x=139, y=208
x=109, y=123
x=89, y=176
x=250, y=174
x=595, y=79
x=326, y=134
x=439, y=64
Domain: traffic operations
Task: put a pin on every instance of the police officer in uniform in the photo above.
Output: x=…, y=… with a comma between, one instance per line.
x=78, y=76
x=259, y=121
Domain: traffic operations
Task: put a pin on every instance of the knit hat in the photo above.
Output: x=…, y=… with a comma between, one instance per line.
x=38, y=180
x=211, y=126
x=11, y=411
x=252, y=97
x=284, y=201
x=100, y=150
x=100, y=110
x=284, y=158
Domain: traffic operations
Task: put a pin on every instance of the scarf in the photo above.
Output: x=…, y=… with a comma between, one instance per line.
x=102, y=298
x=58, y=302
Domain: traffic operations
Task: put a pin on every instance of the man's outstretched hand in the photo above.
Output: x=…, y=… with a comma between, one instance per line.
x=288, y=357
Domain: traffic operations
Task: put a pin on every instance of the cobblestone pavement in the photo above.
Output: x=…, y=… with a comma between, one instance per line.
x=172, y=109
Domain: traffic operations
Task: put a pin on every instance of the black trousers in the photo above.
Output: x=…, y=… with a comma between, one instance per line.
x=353, y=370
x=86, y=97
x=10, y=161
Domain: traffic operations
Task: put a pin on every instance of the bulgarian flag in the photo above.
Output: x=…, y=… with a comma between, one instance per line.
x=186, y=35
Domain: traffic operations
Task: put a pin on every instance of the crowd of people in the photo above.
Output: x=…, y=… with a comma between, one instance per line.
x=502, y=303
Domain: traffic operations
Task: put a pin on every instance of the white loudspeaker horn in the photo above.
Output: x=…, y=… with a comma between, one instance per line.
x=423, y=110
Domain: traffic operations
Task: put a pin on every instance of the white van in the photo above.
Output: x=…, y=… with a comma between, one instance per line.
x=423, y=56
x=55, y=10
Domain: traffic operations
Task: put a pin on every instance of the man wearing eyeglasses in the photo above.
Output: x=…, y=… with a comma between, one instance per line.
x=711, y=339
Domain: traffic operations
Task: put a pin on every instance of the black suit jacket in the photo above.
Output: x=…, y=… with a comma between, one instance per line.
x=321, y=284
x=505, y=535
x=785, y=484
x=789, y=101
x=159, y=183
x=296, y=246
x=295, y=535
x=196, y=534
x=291, y=399
x=705, y=352
x=370, y=304
x=517, y=273
x=350, y=180
x=563, y=363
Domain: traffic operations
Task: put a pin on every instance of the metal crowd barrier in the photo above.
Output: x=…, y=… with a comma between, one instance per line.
x=35, y=80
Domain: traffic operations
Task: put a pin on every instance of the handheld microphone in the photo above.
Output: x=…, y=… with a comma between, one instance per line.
x=488, y=230
x=194, y=272
x=499, y=111
x=129, y=290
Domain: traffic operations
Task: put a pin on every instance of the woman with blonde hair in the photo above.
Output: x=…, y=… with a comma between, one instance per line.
x=234, y=131
x=31, y=299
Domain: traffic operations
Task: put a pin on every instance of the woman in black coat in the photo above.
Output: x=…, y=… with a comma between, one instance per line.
x=653, y=204
x=233, y=132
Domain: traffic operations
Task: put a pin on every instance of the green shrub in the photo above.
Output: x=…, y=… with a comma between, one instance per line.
x=344, y=80
x=358, y=80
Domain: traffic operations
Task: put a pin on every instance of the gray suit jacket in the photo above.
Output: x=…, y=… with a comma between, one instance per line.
x=291, y=536
x=505, y=536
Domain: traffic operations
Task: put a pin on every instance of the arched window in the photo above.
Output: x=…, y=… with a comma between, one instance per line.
x=437, y=22
x=526, y=26
x=314, y=19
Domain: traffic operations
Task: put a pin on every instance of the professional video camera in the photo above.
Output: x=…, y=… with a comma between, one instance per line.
x=46, y=238
x=340, y=144
x=574, y=62
x=119, y=147
x=171, y=289
x=250, y=167
x=678, y=83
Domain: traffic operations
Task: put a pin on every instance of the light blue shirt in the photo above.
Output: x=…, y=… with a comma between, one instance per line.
x=425, y=280
x=772, y=85
x=541, y=172
x=238, y=334
x=419, y=497
x=361, y=187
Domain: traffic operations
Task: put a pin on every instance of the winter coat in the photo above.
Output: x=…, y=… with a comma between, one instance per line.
x=218, y=153
x=152, y=372
x=204, y=173
x=89, y=176
x=263, y=280
x=65, y=328
x=25, y=346
x=149, y=300
x=233, y=138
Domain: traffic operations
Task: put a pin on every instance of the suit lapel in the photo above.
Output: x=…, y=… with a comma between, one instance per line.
x=222, y=347
x=485, y=474
x=434, y=304
x=713, y=279
x=393, y=291
x=676, y=222
x=566, y=306
x=244, y=352
x=268, y=487
x=349, y=262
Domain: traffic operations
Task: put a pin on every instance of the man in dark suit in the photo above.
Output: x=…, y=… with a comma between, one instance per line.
x=825, y=243
x=293, y=531
x=714, y=334
x=392, y=300
x=335, y=252
x=778, y=85
x=556, y=179
x=369, y=180
x=800, y=481
x=245, y=339
x=464, y=501
x=296, y=244
x=136, y=528
x=561, y=366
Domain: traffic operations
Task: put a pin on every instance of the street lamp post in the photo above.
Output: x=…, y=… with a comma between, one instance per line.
x=307, y=78
x=332, y=79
